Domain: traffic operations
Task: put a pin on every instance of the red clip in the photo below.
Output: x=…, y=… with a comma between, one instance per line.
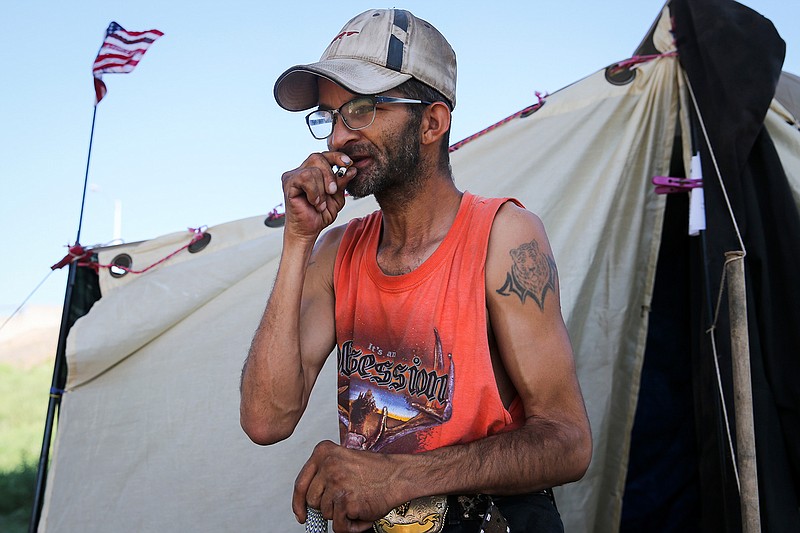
x=669, y=185
x=76, y=253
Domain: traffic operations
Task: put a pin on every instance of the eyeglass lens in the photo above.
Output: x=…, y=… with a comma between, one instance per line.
x=357, y=114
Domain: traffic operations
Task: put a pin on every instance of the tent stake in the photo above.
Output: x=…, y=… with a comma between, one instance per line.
x=743, y=393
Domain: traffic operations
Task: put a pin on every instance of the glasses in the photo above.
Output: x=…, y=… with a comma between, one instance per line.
x=357, y=114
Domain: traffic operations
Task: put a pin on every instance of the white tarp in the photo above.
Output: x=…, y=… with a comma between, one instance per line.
x=149, y=436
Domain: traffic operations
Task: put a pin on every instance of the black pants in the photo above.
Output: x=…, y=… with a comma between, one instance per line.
x=526, y=513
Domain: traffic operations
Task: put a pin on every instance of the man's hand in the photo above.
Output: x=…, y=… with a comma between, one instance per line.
x=314, y=195
x=351, y=487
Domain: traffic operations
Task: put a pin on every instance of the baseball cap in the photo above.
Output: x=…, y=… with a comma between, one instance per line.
x=374, y=52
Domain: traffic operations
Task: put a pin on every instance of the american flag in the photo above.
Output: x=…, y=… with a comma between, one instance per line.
x=120, y=53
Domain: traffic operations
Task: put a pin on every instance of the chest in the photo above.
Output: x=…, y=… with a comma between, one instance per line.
x=404, y=260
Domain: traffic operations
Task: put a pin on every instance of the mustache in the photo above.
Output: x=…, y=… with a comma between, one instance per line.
x=356, y=150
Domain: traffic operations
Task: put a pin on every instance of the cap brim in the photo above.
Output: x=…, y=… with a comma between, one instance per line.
x=296, y=89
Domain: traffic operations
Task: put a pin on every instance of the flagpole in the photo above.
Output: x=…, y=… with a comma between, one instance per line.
x=86, y=177
x=119, y=52
x=59, y=368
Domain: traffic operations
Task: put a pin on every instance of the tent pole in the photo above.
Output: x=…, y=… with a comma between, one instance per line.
x=743, y=393
x=54, y=404
x=59, y=367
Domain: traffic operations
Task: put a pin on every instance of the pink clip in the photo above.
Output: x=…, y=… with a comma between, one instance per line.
x=669, y=185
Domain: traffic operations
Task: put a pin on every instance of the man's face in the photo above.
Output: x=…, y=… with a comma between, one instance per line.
x=386, y=154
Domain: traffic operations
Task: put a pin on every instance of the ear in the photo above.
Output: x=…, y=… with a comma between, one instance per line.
x=435, y=122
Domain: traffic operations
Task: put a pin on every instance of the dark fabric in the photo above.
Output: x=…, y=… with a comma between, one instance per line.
x=526, y=513
x=662, y=485
x=85, y=292
x=401, y=19
x=733, y=58
x=394, y=56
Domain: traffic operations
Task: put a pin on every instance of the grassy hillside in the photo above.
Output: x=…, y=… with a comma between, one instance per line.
x=24, y=393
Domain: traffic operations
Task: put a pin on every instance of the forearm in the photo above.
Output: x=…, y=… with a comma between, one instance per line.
x=539, y=455
x=363, y=486
x=281, y=367
x=273, y=383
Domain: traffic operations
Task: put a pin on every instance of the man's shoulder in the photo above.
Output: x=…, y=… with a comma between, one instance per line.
x=326, y=248
x=332, y=236
x=514, y=225
x=513, y=216
x=329, y=242
x=501, y=203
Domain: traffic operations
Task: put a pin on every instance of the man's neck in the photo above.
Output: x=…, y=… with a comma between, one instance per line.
x=416, y=223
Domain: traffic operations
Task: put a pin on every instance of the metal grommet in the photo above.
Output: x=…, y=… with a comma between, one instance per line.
x=120, y=265
x=619, y=76
x=275, y=220
x=200, y=244
x=532, y=109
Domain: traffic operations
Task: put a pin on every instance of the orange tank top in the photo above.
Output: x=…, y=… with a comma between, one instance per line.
x=414, y=369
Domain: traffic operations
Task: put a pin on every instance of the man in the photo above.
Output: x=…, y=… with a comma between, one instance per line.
x=458, y=399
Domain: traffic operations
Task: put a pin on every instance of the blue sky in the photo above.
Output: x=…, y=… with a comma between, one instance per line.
x=193, y=137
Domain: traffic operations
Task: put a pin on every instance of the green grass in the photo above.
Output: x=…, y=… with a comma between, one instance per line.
x=16, y=497
x=24, y=394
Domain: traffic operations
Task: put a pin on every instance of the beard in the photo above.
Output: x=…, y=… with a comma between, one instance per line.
x=394, y=170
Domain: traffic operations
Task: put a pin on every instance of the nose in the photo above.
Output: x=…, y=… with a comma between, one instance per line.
x=340, y=135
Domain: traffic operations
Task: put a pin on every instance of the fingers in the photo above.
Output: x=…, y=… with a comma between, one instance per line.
x=340, y=165
x=311, y=487
x=308, y=486
x=327, y=482
x=342, y=522
x=301, y=485
x=339, y=508
x=316, y=177
x=314, y=195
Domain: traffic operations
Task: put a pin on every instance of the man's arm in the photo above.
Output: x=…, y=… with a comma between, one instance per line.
x=296, y=332
x=523, y=301
x=552, y=448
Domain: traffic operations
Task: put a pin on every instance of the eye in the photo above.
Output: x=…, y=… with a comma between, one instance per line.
x=360, y=107
x=319, y=118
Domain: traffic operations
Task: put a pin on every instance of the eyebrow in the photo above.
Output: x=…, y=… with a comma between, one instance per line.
x=323, y=107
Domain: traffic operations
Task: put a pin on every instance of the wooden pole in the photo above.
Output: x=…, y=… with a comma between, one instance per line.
x=743, y=393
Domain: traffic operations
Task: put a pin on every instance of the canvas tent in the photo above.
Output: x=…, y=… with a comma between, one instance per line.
x=148, y=436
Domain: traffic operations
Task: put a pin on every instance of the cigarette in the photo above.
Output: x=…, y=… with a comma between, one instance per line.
x=339, y=171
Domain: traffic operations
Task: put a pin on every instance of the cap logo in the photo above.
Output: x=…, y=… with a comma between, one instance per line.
x=343, y=35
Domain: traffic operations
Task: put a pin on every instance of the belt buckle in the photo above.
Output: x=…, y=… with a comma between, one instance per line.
x=422, y=515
